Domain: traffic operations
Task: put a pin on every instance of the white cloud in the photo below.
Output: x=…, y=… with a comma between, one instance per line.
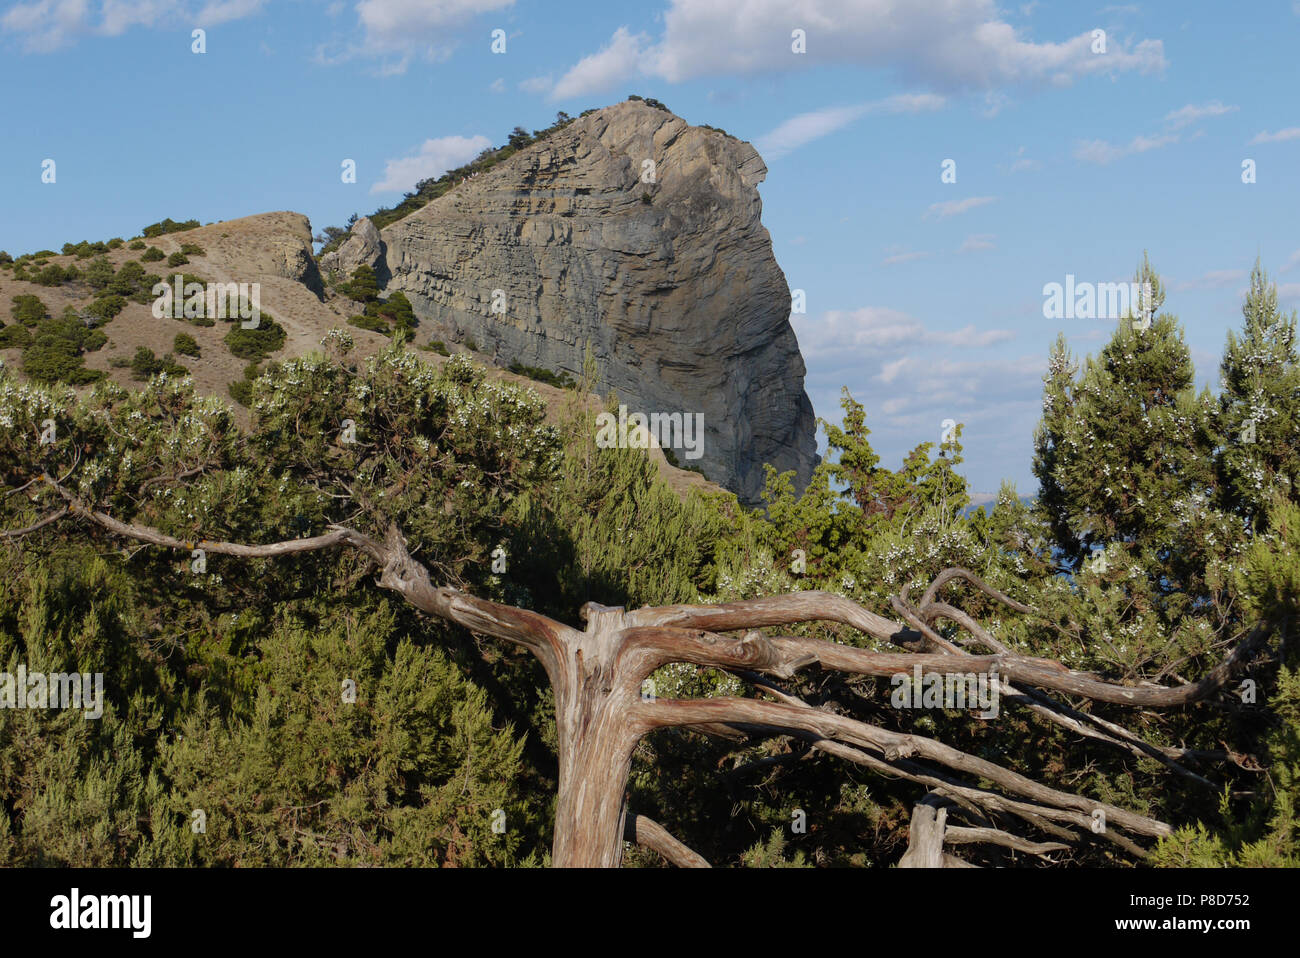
x=216, y=12
x=614, y=64
x=934, y=377
x=978, y=241
x=911, y=378
x=1022, y=163
x=994, y=103
x=536, y=84
x=434, y=158
x=398, y=31
x=870, y=330
x=916, y=392
x=955, y=207
x=498, y=85
x=806, y=127
x=949, y=45
x=1212, y=279
x=909, y=103
x=1290, y=133
x=1185, y=116
x=895, y=258
x=1291, y=263
x=118, y=16
x=47, y=25
x=401, y=24
x=1101, y=152
x=862, y=335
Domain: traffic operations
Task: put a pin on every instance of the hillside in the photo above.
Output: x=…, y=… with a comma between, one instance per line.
x=270, y=249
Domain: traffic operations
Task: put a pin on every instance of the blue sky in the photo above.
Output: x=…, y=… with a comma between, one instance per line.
x=925, y=298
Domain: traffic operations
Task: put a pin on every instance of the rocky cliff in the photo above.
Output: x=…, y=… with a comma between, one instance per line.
x=640, y=234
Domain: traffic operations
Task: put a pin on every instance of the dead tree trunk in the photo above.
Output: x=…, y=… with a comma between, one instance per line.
x=925, y=837
x=592, y=704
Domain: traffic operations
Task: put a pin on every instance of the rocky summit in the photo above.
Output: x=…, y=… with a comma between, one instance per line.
x=639, y=234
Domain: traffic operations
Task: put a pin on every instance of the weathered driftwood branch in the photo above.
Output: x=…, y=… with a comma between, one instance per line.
x=663, y=713
x=925, y=837
x=957, y=835
x=929, y=832
x=648, y=833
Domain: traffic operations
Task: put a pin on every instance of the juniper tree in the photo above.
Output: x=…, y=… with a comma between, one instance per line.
x=1258, y=828
x=1054, y=444
x=1124, y=451
x=1259, y=407
x=363, y=287
x=851, y=497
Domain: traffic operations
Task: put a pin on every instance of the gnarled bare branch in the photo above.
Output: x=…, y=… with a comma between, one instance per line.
x=891, y=745
x=648, y=833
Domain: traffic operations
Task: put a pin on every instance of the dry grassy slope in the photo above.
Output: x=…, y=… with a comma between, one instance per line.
x=272, y=249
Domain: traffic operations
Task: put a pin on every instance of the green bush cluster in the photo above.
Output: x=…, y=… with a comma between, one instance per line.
x=14, y=337
x=649, y=101
x=56, y=351
x=166, y=226
x=363, y=287
x=145, y=365
x=106, y=307
x=185, y=345
x=55, y=275
x=28, y=310
x=393, y=316
x=86, y=249
x=560, y=381
x=241, y=390
x=256, y=344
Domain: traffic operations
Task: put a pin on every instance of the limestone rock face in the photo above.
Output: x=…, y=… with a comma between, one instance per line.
x=294, y=260
x=637, y=233
x=364, y=245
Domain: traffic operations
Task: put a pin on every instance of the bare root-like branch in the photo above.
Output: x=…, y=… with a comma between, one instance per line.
x=648, y=833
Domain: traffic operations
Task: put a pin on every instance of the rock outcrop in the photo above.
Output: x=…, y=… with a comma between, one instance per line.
x=637, y=233
x=364, y=246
